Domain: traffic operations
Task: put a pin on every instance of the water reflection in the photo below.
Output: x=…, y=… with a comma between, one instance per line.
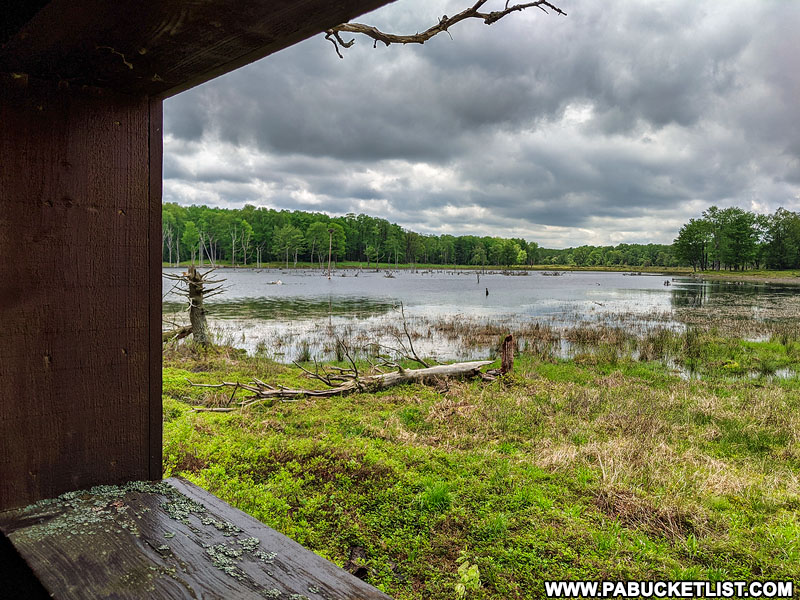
x=292, y=307
x=689, y=292
x=445, y=310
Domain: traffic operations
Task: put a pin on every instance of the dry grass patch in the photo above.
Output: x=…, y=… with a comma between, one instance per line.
x=614, y=380
x=448, y=410
x=637, y=512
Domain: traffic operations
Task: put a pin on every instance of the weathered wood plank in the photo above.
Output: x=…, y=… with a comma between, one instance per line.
x=167, y=48
x=167, y=540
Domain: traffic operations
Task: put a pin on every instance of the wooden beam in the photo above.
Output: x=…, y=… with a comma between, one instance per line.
x=162, y=48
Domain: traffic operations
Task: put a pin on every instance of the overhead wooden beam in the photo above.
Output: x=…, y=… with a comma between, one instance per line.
x=162, y=48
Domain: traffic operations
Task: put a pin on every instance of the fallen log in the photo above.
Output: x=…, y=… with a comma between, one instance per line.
x=176, y=334
x=262, y=392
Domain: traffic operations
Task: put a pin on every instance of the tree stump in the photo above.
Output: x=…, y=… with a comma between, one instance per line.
x=507, y=355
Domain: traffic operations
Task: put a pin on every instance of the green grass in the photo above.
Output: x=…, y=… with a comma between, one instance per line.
x=590, y=469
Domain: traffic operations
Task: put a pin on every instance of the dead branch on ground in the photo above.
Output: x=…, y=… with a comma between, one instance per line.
x=342, y=381
x=176, y=334
x=351, y=383
x=445, y=23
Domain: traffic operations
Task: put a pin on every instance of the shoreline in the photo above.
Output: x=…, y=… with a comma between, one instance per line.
x=791, y=277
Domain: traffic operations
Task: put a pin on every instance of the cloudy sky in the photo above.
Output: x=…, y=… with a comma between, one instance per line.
x=614, y=124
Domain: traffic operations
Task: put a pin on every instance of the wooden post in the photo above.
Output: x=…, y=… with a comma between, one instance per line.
x=80, y=348
x=507, y=355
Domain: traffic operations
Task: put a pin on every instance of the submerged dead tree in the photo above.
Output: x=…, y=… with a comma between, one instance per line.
x=192, y=285
x=476, y=11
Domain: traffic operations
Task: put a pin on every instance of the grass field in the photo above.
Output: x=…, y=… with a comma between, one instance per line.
x=598, y=467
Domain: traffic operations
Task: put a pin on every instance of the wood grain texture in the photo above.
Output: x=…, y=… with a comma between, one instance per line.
x=154, y=246
x=167, y=48
x=75, y=287
x=167, y=540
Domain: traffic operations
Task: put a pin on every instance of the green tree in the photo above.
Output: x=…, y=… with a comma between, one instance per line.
x=581, y=255
x=317, y=240
x=533, y=253
x=245, y=238
x=509, y=252
x=597, y=257
x=782, y=240
x=394, y=247
x=287, y=240
x=691, y=245
x=495, y=251
x=414, y=246
x=479, y=255
x=190, y=237
x=338, y=240
x=740, y=238
x=447, y=249
x=372, y=255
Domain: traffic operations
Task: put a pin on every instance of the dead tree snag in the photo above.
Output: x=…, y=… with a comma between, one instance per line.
x=445, y=23
x=192, y=285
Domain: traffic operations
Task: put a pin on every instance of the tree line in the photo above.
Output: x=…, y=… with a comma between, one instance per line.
x=721, y=238
x=736, y=239
x=252, y=236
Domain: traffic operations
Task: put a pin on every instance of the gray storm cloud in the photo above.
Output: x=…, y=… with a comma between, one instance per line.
x=616, y=123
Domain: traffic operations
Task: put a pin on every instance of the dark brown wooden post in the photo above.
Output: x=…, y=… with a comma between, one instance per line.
x=80, y=219
x=507, y=355
x=81, y=83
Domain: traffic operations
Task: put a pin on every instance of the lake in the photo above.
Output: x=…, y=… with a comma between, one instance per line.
x=290, y=315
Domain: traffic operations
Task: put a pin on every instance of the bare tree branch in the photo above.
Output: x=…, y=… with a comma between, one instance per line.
x=474, y=12
x=408, y=337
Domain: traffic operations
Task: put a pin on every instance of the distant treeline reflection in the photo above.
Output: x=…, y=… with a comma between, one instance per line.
x=291, y=308
x=698, y=295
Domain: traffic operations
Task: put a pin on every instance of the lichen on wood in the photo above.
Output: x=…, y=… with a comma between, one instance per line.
x=167, y=539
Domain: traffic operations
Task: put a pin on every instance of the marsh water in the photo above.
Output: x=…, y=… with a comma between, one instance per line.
x=299, y=314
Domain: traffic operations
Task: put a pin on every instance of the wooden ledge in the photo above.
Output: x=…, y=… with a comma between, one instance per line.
x=168, y=539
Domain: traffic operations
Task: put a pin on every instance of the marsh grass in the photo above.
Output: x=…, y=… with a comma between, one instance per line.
x=607, y=465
